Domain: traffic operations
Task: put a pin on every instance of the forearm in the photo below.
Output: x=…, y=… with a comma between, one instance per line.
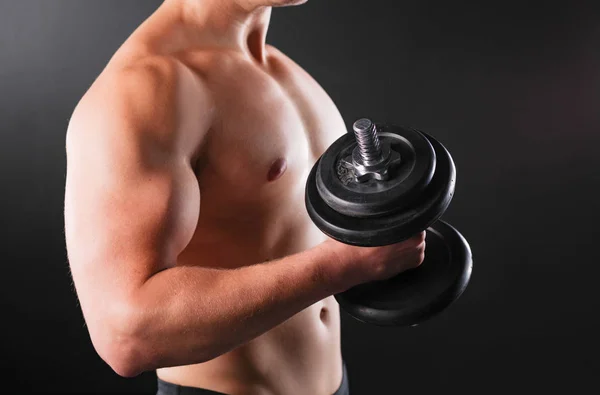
x=194, y=314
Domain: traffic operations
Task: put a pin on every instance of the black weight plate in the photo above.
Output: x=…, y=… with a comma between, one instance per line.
x=392, y=227
x=406, y=183
x=418, y=294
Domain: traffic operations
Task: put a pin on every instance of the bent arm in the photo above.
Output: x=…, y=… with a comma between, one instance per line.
x=132, y=203
x=193, y=314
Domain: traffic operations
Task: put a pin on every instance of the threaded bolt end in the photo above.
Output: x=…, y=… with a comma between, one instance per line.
x=369, y=145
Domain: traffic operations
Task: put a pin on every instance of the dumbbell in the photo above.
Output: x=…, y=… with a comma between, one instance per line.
x=381, y=185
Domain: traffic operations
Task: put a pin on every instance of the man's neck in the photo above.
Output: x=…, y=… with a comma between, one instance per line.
x=226, y=23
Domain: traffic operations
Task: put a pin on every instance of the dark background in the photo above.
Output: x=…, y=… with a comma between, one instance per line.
x=511, y=88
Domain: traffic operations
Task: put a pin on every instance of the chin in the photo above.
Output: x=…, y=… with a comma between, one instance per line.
x=285, y=3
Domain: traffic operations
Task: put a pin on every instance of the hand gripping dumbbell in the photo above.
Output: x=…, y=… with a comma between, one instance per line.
x=381, y=185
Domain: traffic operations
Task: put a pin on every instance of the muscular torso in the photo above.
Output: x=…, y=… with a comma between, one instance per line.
x=272, y=122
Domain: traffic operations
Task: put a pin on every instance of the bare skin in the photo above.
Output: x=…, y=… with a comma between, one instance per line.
x=188, y=239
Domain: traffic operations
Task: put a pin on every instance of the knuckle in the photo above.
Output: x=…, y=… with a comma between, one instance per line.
x=378, y=270
x=417, y=259
x=415, y=241
x=420, y=258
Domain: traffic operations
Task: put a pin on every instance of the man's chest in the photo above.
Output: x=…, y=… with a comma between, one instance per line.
x=271, y=124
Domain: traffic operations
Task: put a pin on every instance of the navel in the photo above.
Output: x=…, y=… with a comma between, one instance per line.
x=324, y=314
x=277, y=169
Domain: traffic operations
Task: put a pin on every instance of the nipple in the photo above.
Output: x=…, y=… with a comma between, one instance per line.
x=277, y=169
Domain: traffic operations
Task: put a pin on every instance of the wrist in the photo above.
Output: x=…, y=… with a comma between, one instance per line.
x=334, y=266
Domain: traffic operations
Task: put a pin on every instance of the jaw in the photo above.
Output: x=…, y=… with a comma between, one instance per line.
x=285, y=3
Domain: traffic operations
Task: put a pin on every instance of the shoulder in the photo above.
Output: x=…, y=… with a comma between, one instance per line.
x=148, y=83
x=148, y=94
x=276, y=57
x=281, y=64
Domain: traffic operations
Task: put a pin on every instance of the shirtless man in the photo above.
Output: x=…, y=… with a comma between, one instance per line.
x=189, y=243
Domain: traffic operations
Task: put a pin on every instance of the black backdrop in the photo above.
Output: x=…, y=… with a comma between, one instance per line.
x=511, y=88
